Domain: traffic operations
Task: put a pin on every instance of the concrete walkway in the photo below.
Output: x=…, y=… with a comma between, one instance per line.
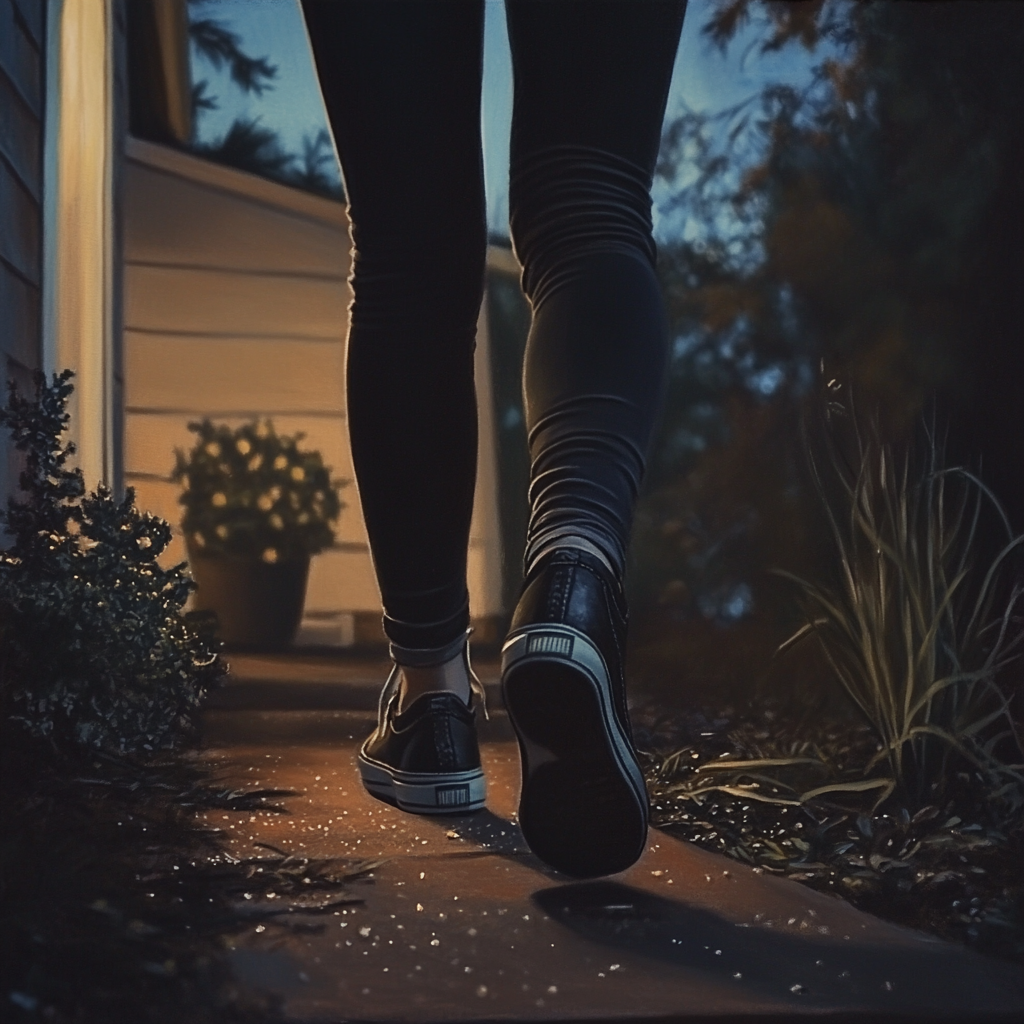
x=462, y=922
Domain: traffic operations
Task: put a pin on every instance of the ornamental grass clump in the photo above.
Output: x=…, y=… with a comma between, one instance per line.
x=95, y=651
x=918, y=632
x=913, y=808
x=250, y=492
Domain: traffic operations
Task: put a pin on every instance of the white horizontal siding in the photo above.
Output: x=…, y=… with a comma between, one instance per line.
x=154, y=435
x=229, y=376
x=213, y=301
x=236, y=305
x=341, y=581
x=213, y=227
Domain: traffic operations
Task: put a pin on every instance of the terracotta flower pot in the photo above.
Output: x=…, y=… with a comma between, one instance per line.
x=258, y=604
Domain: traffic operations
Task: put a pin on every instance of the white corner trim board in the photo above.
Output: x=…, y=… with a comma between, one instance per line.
x=78, y=249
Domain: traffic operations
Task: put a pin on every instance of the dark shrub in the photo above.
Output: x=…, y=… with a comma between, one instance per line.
x=94, y=648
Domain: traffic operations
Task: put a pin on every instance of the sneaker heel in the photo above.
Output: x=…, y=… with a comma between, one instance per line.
x=426, y=759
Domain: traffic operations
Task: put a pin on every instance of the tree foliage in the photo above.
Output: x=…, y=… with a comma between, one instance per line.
x=222, y=47
x=858, y=231
x=247, y=144
x=863, y=223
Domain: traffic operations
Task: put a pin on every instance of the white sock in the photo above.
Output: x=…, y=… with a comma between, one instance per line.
x=572, y=540
x=449, y=677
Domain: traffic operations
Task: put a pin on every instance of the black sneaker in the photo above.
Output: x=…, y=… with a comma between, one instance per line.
x=583, y=807
x=425, y=760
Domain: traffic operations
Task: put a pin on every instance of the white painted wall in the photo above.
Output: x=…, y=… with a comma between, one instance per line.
x=236, y=305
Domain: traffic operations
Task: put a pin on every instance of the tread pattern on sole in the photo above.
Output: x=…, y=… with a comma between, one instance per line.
x=583, y=807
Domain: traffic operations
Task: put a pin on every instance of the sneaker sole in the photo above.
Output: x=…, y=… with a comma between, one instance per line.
x=583, y=807
x=424, y=793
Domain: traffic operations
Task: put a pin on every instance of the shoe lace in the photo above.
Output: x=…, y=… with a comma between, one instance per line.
x=387, y=697
x=389, y=694
x=476, y=688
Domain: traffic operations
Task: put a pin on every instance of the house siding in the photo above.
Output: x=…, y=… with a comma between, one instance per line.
x=21, y=160
x=235, y=306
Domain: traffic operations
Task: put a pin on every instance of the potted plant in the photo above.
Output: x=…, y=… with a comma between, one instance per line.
x=257, y=507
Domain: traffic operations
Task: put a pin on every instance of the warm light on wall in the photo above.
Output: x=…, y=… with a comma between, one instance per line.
x=78, y=249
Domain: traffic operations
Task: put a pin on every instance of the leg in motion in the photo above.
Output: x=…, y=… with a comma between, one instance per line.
x=401, y=83
x=591, y=83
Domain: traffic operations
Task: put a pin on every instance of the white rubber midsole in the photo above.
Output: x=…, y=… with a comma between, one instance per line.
x=422, y=792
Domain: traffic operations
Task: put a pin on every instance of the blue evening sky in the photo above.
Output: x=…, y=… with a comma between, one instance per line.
x=704, y=79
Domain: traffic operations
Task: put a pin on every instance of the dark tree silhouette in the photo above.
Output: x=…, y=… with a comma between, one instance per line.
x=222, y=47
x=247, y=144
x=868, y=221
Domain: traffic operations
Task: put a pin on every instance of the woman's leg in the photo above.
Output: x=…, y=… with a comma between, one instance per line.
x=401, y=82
x=591, y=83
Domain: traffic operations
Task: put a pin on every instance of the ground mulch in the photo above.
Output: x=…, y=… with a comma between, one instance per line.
x=952, y=868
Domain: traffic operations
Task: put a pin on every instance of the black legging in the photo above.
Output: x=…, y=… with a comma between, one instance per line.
x=401, y=82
